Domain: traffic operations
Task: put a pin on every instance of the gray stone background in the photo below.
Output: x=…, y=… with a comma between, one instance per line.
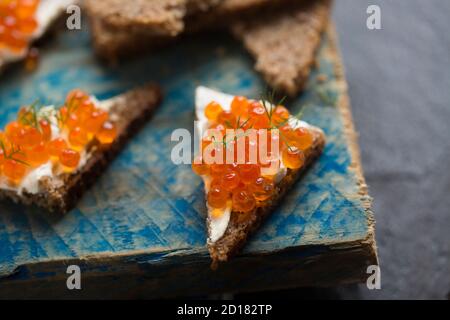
x=399, y=85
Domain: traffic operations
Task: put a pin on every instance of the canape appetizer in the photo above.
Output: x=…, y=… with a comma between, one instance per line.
x=24, y=21
x=49, y=156
x=252, y=152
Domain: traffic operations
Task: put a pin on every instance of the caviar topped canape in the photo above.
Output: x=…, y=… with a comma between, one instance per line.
x=21, y=23
x=49, y=140
x=50, y=156
x=251, y=152
x=17, y=24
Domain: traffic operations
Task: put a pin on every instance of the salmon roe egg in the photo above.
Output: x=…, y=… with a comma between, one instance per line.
x=38, y=155
x=26, y=8
x=212, y=111
x=63, y=114
x=243, y=200
x=24, y=115
x=95, y=121
x=75, y=98
x=227, y=119
x=303, y=138
x=107, y=133
x=293, y=157
x=72, y=121
x=230, y=179
x=239, y=106
x=280, y=115
x=29, y=137
x=199, y=167
x=56, y=146
x=85, y=109
x=15, y=41
x=69, y=158
x=46, y=129
x=27, y=26
x=249, y=172
x=258, y=115
x=217, y=169
x=78, y=138
x=262, y=188
x=14, y=171
x=11, y=130
x=217, y=197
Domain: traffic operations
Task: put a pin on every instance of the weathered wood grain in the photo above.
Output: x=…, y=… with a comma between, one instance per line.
x=140, y=230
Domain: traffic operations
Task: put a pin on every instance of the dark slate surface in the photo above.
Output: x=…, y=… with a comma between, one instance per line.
x=399, y=85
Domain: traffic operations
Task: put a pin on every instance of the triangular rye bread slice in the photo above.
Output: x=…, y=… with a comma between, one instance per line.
x=157, y=17
x=60, y=193
x=284, y=43
x=114, y=38
x=229, y=233
x=47, y=13
x=150, y=17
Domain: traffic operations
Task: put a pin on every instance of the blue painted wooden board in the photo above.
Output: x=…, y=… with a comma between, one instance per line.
x=144, y=208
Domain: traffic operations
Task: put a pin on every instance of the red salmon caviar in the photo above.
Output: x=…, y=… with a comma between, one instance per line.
x=303, y=138
x=56, y=146
x=11, y=130
x=199, y=167
x=239, y=106
x=75, y=98
x=46, y=129
x=249, y=172
x=217, y=197
x=72, y=121
x=258, y=115
x=262, y=188
x=254, y=181
x=84, y=110
x=78, y=138
x=293, y=157
x=28, y=141
x=17, y=23
x=95, y=121
x=38, y=155
x=14, y=171
x=280, y=115
x=69, y=158
x=227, y=119
x=230, y=179
x=212, y=111
x=107, y=133
x=27, y=137
x=217, y=169
x=243, y=200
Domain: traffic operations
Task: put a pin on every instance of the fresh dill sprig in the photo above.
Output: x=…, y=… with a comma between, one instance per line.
x=13, y=152
x=31, y=117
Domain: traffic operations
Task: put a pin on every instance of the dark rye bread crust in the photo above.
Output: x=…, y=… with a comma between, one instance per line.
x=149, y=17
x=157, y=17
x=228, y=12
x=284, y=43
x=240, y=226
x=112, y=43
x=131, y=110
x=114, y=38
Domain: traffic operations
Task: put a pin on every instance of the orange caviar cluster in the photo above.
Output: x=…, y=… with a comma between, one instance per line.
x=249, y=182
x=17, y=23
x=29, y=141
